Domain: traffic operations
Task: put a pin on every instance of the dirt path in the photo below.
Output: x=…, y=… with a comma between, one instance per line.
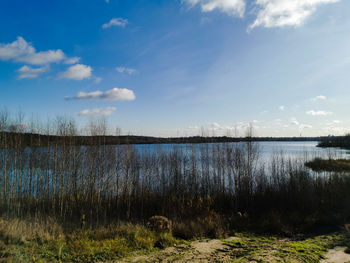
x=241, y=249
x=213, y=250
x=337, y=255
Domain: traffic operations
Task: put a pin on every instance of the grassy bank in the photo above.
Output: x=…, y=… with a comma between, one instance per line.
x=34, y=240
x=329, y=165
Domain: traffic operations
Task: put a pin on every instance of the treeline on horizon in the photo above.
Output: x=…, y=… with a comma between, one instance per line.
x=17, y=129
x=335, y=141
x=42, y=140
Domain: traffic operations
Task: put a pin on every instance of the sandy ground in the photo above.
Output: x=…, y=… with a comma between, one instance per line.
x=198, y=251
x=216, y=250
x=337, y=255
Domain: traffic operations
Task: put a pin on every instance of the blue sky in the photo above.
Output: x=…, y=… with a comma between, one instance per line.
x=171, y=68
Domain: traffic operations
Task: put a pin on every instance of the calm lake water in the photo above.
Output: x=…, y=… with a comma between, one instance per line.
x=306, y=150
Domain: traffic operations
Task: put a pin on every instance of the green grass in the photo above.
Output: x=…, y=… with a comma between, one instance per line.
x=275, y=249
x=87, y=245
x=28, y=241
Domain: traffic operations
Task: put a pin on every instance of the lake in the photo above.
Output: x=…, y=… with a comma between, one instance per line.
x=295, y=150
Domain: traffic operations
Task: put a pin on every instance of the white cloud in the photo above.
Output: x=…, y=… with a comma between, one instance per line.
x=129, y=71
x=282, y=108
x=72, y=60
x=26, y=72
x=230, y=7
x=97, y=112
x=318, y=113
x=300, y=126
x=121, y=22
x=16, y=49
x=216, y=125
x=22, y=51
x=77, y=72
x=294, y=121
x=318, y=98
x=336, y=130
x=113, y=94
x=337, y=121
x=280, y=13
x=45, y=57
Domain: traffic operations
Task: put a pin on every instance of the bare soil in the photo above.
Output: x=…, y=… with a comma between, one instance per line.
x=337, y=255
x=226, y=250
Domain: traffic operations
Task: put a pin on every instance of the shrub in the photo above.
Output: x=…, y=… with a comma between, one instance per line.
x=159, y=224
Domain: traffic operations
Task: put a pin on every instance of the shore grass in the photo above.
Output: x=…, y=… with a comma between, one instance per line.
x=329, y=165
x=34, y=240
x=46, y=241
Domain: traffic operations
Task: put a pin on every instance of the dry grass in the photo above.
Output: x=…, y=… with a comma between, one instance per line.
x=211, y=225
x=44, y=240
x=23, y=230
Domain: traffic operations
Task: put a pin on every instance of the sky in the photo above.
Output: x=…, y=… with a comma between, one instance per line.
x=180, y=67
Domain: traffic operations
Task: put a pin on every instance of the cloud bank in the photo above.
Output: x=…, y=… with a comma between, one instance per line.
x=22, y=51
x=318, y=113
x=230, y=7
x=280, y=13
x=268, y=13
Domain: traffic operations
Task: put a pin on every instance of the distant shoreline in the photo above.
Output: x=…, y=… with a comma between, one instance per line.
x=335, y=141
x=29, y=139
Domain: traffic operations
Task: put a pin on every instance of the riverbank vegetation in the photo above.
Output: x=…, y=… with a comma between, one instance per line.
x=335, y=141
x=329, y=165
x=207, y=190
x=46, y=240
x=196, y=184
